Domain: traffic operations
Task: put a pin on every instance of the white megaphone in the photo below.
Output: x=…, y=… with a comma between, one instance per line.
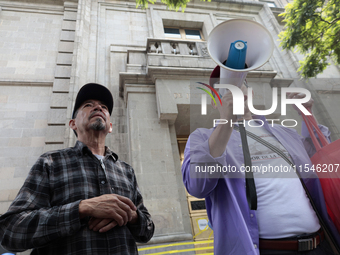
x=259, y=44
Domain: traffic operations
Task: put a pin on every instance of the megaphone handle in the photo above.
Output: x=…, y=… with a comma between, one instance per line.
x=231, y=77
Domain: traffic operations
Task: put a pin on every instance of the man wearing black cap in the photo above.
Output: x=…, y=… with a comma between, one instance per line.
x=80, y=200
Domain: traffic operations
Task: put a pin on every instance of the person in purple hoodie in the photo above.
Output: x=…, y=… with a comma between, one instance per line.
x=284, y=222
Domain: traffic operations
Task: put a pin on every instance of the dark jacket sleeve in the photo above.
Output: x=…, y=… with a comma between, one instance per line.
x=31, y=221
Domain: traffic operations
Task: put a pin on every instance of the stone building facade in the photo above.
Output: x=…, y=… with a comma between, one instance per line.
x=50, y=48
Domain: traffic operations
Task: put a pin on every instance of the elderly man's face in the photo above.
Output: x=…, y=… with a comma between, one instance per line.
x=93, y=115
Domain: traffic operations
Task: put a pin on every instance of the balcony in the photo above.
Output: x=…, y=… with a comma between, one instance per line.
x=178, y=54
x=172, y=59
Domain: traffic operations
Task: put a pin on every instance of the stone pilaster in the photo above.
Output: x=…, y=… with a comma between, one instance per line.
x=57, y=120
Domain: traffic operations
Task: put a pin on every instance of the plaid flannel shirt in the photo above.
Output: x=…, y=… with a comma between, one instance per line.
x=45, y=214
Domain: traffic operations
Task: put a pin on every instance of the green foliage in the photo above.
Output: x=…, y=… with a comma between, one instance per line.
x=171, y=4
x=313, y=29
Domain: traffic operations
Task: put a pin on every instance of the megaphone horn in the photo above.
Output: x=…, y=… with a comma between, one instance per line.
x=258, y=40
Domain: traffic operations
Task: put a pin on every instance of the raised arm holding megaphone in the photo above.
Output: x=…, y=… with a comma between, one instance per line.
x=237, y=46
x=234, y=44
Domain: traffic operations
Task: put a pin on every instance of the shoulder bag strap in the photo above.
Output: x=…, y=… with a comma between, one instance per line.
x=250, y=182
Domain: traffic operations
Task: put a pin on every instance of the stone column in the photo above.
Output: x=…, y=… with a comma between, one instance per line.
x=152, y=142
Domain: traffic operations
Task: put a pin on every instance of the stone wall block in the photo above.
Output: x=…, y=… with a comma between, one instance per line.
x=64, y=59
x=4, y=206
x=167, y=109
x=69, y=15
x=68, y=25
x=4, y=194
x=66, y=47
x=37, y=142
x=63, y=71
x=55, y=134
x=61, y=85
x=67, y=35
x=6, y=173
x=59, y=100
x=57, y=116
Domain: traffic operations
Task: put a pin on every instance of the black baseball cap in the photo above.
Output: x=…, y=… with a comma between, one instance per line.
x=93, y=91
